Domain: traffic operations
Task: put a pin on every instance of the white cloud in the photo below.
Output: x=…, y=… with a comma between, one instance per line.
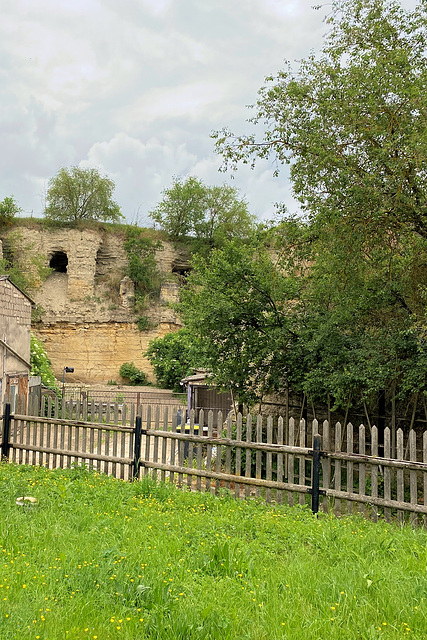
x=136, y=88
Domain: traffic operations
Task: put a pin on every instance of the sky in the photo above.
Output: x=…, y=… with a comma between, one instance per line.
x=136, y=87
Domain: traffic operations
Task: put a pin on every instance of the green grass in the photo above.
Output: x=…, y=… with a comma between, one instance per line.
x=98, y=558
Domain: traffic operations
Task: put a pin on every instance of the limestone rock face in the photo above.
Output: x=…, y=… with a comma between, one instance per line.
x=86, y=302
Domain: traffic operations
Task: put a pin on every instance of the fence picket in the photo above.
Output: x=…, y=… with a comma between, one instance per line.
x=374, y=472
x=413, y=475
x=238, y=467
x=228, y=450
x=301, y=459
x=362, y=471
x=387, y=473
x=326, y=463
x=173, y=443
x=190, y=449
x=400, y=487
x=147, y=441
x=280, y=470
x=248, y=455
x=291, y=460
x=209, y=451
x=350, y=466
x=258, y=454
x=164, y=444
x=199, y=461
x=218, y=451
x=156, y=442
x=269, y=457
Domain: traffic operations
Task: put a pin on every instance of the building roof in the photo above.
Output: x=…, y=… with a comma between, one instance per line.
x=6, y=277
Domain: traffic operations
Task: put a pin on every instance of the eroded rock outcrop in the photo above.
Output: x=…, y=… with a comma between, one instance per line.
x=86, y=316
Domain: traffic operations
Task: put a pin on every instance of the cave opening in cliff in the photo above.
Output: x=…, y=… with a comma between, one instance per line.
x=59, y=262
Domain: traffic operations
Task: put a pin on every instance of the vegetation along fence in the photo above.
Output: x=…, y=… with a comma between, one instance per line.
x=251, y=456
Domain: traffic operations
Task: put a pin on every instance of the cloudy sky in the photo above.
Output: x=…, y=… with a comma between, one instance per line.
x=135, y=87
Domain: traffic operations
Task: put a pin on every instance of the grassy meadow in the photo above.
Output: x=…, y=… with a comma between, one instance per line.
x=98, y=558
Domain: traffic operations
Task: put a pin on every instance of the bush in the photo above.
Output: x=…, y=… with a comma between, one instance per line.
x=133, y=374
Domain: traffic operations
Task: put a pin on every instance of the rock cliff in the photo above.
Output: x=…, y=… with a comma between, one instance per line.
x=85, y=312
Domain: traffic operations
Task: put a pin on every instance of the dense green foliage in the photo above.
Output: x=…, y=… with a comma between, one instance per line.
x=41, y=365
x=136, y=376
x=142, y=267
x=336, y=301
x=210, y=214
x=76, y=194
x=102, y=558
x=174, y=357
x=237, y=303
x=8, y=210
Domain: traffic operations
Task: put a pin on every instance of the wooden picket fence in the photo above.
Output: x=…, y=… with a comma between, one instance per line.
x=347, y=469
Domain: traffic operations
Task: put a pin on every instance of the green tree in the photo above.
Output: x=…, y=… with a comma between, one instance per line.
x=8, y=210
x=81, y=194
x=241, y=308
x=351, y=123
x=41, y=365
x=175, y=356
x=209, y=213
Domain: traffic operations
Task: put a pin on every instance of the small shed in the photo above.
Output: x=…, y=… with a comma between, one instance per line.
x=202, y=394
x=15, y=336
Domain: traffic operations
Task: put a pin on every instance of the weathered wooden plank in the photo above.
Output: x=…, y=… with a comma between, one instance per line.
x=301, y=459
x=62, y=432
x=99, y=435
x=75, y=423
x=35, y=428
x=209, y=451
x=254, y=482
x=269, y=457
x=387, y=473
x=145, y=469
x=362, y=470
x=181, y=450
x=199, y=461
x=238, y=468
x=190, y=446
x=156, y=440
x=248, y=456
x=291, y=459
x=218, y=451
x=374, y=472
x=173, y=443
x=228, y=449
x=413, y=475
x=381, y=502
x=350, y=466
x=258, y=455
x=164, y=444
x=400, y=486
x=70, y=453
x=280, y=469
x=326, y=463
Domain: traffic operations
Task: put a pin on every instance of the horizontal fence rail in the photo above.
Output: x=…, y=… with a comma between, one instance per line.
x=344, y=470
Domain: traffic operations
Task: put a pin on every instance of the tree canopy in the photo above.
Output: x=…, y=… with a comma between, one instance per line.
x=81, y=194
x=8, y=210
x=336, y=302
x=211, y=214
x=174, y=356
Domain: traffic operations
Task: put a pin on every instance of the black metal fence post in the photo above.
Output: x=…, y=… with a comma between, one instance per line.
x=5, y=445
x=137, y=448
x=315, y=491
